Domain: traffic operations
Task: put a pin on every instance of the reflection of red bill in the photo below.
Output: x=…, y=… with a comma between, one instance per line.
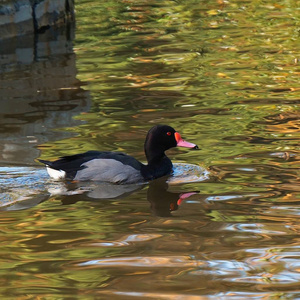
x=183, y=143
x=184, y=196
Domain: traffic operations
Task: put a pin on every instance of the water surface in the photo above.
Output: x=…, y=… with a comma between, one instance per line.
x=226, y=76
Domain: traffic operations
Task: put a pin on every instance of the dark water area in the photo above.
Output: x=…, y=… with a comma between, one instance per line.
x=225, y=224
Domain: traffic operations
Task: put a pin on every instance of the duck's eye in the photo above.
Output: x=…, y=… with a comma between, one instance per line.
x=169, y=133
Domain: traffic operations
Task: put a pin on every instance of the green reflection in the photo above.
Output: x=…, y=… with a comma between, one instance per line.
x=213, y=71
x=226, y=75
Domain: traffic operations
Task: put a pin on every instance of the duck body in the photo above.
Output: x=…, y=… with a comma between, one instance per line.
x=117, y=167
x=104, y=166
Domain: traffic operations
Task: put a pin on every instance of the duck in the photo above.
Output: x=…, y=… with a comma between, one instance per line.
x=118, y=167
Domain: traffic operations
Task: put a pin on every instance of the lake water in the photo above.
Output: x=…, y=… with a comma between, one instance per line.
x=225, y=74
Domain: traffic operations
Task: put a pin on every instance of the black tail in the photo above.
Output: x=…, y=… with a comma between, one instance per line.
x=45, y=162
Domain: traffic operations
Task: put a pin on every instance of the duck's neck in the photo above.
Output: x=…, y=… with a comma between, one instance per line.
x=154, y=154
x=158, y=164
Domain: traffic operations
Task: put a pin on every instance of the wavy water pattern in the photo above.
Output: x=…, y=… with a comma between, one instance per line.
x=225, y=224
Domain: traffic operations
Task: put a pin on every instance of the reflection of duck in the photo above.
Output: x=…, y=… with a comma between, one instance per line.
x=116, y=167
x=162, y=201
x=100, y=190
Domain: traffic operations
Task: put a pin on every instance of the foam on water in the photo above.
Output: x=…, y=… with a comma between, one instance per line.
x=187, y=173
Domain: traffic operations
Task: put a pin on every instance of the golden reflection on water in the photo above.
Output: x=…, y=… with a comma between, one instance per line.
x=226, y=76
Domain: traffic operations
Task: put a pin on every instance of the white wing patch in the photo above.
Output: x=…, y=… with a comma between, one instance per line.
x=56, y=174
x=108, y=170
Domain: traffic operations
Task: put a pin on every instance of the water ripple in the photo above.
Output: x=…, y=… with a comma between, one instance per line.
x=128, y=240
x=149, y=261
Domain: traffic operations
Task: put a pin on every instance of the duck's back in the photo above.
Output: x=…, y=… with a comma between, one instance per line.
x=115, y=167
